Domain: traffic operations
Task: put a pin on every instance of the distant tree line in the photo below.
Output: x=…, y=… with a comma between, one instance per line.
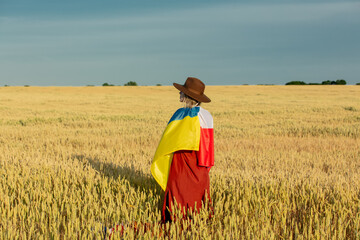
x=327, y=82
x=107, y=84
x=131, y=83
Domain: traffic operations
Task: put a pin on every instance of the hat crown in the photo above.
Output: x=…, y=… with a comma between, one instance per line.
x=194, y=85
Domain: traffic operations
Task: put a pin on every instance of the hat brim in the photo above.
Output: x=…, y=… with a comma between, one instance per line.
x=200, y=98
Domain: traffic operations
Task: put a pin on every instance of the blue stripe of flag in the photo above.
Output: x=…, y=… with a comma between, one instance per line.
x=181, y=113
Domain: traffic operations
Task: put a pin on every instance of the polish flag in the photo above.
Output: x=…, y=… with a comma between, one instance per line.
x=206, y=147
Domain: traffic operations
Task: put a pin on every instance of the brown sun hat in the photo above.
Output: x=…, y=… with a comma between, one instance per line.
x=194, y=88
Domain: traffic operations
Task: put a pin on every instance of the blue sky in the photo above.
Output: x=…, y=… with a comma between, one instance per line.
x=77, y=43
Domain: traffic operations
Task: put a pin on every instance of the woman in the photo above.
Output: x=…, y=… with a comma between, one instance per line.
x=185, y=153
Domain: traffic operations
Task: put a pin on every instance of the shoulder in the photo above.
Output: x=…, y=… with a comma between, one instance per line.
x=181, y=113
x=204, y=112
x=206, y=120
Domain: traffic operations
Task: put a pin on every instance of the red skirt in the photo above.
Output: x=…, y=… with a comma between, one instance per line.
x=188, y=184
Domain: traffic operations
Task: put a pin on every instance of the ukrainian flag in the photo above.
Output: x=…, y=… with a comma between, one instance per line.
x=182, y=133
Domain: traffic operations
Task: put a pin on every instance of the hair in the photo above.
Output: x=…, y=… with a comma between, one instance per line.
x=190, y=102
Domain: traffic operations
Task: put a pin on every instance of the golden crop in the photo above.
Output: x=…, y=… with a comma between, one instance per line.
x=76, y=159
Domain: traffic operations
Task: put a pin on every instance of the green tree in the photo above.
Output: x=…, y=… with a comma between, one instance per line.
x=337, y=82
x=340, y=82
x=296, y=83
x=131, y=83
x=107, y=84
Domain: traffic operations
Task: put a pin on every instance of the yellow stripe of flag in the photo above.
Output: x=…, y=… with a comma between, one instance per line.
x=178, y=135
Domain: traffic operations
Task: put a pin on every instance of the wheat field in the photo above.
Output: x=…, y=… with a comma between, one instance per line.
x=74, y=160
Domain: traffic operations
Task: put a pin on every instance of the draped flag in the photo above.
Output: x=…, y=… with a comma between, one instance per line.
x=188, y=129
